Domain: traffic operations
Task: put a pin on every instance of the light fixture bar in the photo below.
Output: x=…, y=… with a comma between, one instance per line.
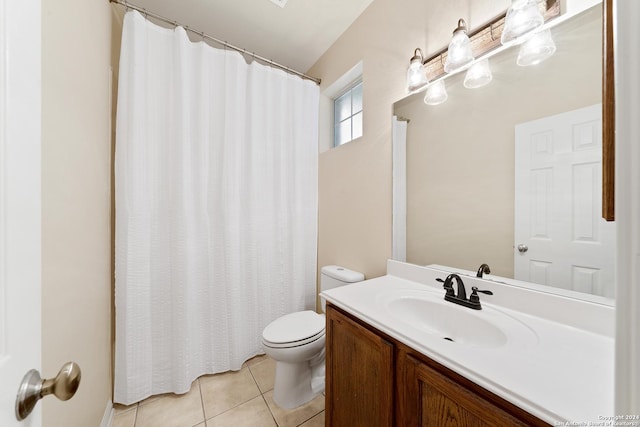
x=486, y=38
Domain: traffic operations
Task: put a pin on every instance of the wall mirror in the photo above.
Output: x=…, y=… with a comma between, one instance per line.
x=506, y=165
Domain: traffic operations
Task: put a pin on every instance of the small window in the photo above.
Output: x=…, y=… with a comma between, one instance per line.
x=347, y=122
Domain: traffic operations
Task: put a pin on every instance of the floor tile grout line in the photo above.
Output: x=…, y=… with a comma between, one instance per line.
x=263, y=393
x=204, y=414
x=247, y=366
x=230, y=409
x=254, y=378
x=122, y=413
x=133, y=408
x=202, y=405
x=273, y=416
x=312, y=416
x=265, y=399
x=135, y=418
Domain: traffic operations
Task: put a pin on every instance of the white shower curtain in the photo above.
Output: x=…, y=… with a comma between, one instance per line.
x=216, y=207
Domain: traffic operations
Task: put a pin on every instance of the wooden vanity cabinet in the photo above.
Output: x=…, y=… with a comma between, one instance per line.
x=373, y=380
x=433, y=399
x=359, y=375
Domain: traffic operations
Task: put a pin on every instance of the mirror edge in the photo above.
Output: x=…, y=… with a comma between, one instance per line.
x=608, y=113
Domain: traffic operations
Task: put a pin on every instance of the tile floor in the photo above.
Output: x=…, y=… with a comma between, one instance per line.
x=236, y=399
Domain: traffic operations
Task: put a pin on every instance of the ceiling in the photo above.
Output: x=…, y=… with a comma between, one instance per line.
x=295, y=35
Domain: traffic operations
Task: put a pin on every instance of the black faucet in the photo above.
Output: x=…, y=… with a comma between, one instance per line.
x=484, y=268
x=461, y=298
x=448, y=285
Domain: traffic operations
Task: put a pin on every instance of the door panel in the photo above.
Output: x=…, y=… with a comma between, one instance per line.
x=20, y=339
x=558, y=203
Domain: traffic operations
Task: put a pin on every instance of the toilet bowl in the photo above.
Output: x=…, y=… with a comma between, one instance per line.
x=296, y=341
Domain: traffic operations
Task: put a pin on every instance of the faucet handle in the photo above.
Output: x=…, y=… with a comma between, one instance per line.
x=475, y=289
x=474, y=294
x=448, y=286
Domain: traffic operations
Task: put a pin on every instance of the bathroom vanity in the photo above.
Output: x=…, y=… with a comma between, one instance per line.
x=399, y=355
x=385, y=377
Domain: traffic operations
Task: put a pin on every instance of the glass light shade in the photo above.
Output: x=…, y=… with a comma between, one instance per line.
x=478, y=75
x=522, y=18
x=535, y=50
x=459, y=53
x=436, y=93
x=416, y=76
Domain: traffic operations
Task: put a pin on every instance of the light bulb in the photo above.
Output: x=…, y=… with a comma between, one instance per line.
x=535, y=50
x=478, y=75
x=522, y=18
x=416, y=77
x=436, y=93
x=459, y=52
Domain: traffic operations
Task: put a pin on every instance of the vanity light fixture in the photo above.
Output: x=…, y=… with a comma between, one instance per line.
x=478, y=75
x=436, y=93
x=459, y=52
x=519, y=23
x=538, y=48
x=416, y=74
x=523, y=17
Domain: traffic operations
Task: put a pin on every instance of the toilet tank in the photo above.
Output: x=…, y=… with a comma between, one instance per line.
x=332, y=276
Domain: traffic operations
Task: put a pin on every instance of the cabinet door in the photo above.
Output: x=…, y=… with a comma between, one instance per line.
x=359, y=375
x=431, y=399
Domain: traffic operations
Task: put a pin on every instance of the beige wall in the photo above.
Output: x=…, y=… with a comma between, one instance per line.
x=76, y=254
x=355, y=212
x=460, y=155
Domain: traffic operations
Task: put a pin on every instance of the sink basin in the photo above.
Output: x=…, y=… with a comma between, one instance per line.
x=460, y=325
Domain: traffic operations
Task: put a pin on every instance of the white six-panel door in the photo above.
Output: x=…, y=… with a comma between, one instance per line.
x=563, y=240
x=20, y=339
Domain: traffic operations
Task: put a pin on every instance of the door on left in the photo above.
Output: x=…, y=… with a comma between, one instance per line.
x=20, y=201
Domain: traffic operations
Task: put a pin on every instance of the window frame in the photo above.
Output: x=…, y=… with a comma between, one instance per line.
x=348, y=89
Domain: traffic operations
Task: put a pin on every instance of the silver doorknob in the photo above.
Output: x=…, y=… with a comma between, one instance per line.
x=522, y=248
x=33, y=388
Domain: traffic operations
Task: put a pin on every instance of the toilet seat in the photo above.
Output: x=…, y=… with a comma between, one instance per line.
x=294, y=343
x=294, y=329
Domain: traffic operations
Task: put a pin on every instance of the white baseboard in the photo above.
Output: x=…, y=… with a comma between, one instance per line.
x=107, y=418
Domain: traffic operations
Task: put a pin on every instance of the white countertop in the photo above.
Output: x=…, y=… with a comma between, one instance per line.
x=558, y=372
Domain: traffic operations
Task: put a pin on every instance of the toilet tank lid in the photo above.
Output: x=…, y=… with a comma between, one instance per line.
x=343, y=274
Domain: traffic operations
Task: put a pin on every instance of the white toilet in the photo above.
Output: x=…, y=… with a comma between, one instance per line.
x=296, y=342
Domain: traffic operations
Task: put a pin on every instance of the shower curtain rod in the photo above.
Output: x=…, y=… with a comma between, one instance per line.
x=206, y=36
